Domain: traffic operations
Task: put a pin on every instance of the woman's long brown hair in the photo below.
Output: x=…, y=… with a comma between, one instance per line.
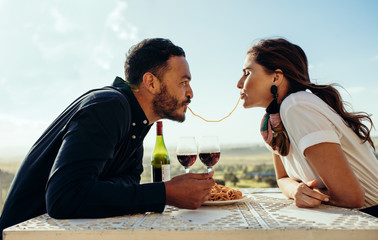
x=279, y=53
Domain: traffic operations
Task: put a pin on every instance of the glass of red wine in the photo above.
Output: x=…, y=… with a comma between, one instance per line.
x=209, y=151
x=186, y=152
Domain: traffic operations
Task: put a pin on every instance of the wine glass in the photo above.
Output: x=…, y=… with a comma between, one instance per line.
x=186, y=152
x=209, y=151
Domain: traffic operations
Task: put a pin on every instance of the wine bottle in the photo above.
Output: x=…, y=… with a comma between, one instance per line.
x=160, y=163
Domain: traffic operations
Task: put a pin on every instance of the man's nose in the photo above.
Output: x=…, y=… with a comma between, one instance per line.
x=189, y=93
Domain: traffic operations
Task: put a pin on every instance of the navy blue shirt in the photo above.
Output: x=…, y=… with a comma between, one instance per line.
x=88, y=163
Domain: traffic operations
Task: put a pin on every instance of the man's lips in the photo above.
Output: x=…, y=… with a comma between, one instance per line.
x=186, y=103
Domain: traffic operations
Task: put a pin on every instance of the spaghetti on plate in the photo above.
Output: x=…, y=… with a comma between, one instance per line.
x=223, y=193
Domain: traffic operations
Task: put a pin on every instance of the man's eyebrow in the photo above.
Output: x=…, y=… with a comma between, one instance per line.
x=186, y=76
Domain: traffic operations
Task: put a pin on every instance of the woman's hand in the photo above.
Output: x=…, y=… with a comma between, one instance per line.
x=306, y=196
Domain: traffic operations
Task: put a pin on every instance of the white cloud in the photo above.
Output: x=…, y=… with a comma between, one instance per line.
x=62, y=24
x=118, y=24
x=103, y=56
x=375, y=58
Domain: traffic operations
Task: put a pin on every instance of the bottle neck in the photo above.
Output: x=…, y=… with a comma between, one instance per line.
x=159, y=128
x=160, y=140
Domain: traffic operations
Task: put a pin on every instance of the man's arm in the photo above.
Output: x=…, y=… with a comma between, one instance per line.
x=75, y=190
x=131, y=177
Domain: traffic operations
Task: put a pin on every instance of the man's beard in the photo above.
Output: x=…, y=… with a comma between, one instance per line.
x=165, y=105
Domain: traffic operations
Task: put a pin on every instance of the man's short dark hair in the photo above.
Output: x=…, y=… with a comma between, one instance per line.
x=150, y=55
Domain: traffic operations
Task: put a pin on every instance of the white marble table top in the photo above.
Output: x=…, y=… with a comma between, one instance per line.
x=265, y=214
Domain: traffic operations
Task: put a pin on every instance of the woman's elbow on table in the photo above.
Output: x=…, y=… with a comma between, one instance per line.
x=354, y=200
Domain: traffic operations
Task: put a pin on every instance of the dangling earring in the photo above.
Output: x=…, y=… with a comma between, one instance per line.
x=273, y=106
x=272, y=129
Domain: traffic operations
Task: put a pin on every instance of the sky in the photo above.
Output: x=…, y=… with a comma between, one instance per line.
x=52, y=51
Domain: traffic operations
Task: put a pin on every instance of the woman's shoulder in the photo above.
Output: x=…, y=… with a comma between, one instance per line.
x=303, y=101
x=302, y=98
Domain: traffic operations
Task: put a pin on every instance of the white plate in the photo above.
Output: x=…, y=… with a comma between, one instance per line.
x=228, y=202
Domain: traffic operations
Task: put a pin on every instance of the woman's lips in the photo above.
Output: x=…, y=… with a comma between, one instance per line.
x=242, y=95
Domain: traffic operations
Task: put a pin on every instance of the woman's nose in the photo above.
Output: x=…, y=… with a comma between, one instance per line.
x=240, y=83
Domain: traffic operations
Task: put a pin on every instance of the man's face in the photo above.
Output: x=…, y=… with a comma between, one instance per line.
x=175, y=94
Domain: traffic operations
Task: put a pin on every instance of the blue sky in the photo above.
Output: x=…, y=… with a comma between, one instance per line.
x=52, y=51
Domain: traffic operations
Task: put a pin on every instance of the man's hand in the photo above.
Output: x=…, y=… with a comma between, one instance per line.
x=189, y=190
x=306, y=196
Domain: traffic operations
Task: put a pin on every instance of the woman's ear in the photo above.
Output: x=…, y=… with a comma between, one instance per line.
x=278, y=77
x=151, y=83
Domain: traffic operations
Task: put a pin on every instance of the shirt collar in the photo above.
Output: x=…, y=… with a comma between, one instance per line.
x=140, y=116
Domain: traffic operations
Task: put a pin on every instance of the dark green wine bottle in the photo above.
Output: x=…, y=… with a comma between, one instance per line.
x=160, y=163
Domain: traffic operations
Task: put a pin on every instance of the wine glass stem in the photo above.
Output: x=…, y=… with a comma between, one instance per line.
x=186, y=170
x=209, y=169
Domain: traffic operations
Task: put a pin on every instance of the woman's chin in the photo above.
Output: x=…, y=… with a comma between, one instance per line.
x=247, y=105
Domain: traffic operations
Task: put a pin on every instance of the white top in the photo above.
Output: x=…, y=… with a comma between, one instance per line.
x=309, y=121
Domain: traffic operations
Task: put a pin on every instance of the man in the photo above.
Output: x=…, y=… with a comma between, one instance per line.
x=88, y=162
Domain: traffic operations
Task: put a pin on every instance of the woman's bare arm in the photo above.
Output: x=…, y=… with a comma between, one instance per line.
x=329, y=161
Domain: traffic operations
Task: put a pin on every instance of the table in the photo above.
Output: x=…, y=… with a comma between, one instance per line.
x=265, y=214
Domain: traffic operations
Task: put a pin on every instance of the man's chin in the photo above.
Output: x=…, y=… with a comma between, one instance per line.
x=177, y=118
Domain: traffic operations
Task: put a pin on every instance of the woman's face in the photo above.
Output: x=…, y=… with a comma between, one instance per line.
x=255, y=84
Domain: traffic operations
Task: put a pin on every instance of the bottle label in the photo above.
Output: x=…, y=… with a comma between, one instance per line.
x=166, y=172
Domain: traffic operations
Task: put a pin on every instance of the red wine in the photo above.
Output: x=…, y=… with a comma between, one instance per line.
x=209, y=159
x=187, y=160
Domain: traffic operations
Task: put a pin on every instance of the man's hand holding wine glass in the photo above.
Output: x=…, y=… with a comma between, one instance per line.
x=189, y=190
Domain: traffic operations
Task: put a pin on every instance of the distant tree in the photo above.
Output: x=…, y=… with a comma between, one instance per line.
x=220, y=181
x=231, y=177
x=234, y=179
x=245, y=169
x=230, y=168
x=271, y=181
x=263, y=168
x=227, y=176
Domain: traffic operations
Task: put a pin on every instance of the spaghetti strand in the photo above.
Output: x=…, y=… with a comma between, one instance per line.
x=219, y=119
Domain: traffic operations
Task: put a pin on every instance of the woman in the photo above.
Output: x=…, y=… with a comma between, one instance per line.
x=321, y=152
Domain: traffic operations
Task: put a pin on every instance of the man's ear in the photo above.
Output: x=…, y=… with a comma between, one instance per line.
x=151, y=83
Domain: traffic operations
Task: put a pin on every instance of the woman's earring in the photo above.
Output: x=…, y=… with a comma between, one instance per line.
x=273, y=106
x=273, y=90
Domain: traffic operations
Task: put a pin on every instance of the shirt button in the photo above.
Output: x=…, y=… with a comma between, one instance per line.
x=133, y=124
x=133, y=136
x=145, y=121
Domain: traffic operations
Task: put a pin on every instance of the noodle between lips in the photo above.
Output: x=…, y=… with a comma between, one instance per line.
x=223, y=193
x=219, y=119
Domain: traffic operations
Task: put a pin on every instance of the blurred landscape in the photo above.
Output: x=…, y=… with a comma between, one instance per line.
x=238, y=167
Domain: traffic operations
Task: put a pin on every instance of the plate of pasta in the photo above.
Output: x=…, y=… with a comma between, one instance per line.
x=222, y=195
